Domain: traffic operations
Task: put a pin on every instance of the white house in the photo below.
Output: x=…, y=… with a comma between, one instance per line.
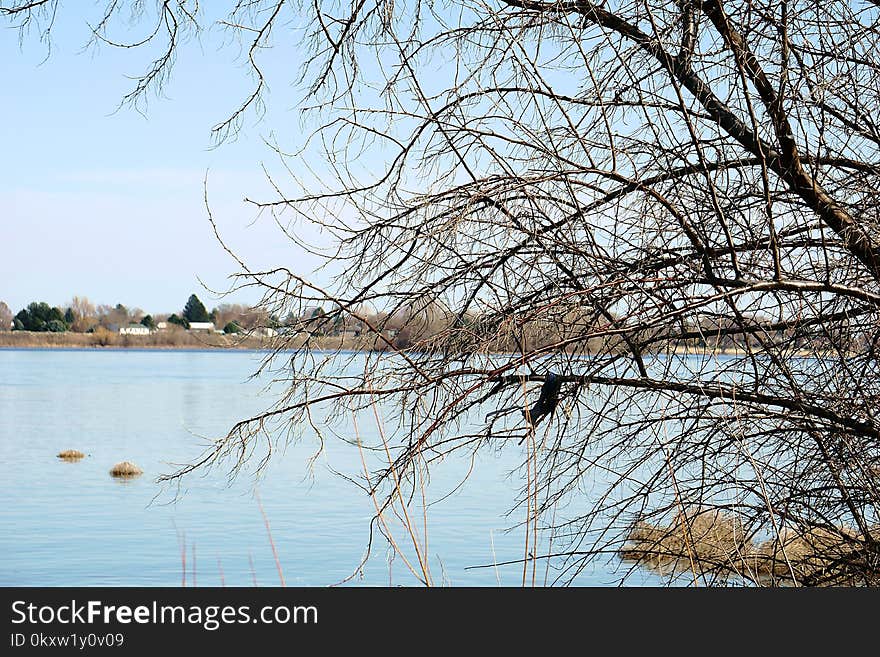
x=201, y=326
x=134, y=329
x=161, y=326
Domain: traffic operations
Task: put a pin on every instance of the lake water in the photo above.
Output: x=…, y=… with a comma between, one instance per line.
x=73, y=524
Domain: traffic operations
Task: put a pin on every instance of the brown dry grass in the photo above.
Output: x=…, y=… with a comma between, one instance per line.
x=817, y=556
x=715, y=541
x=706, y=539
x=125, y=469
x=177, y=339
x=174, y=339
x=70, y=455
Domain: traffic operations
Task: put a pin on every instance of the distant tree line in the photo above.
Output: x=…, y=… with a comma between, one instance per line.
x=421, y=327
x=82, y=316
x=409, y=326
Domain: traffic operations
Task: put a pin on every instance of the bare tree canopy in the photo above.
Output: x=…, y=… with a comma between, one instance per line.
x=580, y=193
x=5, y=317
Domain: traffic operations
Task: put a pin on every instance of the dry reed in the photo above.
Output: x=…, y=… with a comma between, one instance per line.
x=125, y=469
x=707, y=539
x=70, y=455
x=817, y=556
x=717, y=543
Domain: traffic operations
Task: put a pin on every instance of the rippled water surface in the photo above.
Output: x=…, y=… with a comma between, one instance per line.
x=73, y=524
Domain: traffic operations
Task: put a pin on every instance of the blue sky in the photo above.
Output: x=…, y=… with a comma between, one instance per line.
x=107, y=203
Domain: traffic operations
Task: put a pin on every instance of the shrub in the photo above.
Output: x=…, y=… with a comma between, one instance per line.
x=179, y=321
x=56, y=326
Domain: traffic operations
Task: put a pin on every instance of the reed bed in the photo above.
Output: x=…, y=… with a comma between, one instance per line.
x=717, y=543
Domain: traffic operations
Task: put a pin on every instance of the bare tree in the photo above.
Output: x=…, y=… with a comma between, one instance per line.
x=112, y=317
x=84, y=314
x=244, y=316
x=600, y=189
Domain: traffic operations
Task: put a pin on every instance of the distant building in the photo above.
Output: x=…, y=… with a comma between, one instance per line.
x=266, y=331
x=161, y=326
x=202, y=326
x=134, y=329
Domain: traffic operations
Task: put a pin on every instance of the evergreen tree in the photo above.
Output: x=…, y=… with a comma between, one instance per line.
x=179, y=321
x=56, y=326
x=37, y=316
x=195, y=310
x=55, y=315
x=148, y=322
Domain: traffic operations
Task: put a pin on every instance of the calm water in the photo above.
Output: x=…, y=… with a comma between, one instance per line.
x=73, y=524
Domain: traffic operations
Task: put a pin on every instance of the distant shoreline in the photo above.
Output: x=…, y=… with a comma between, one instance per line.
x=692, y=351
x=192, y=341
x=178, y=340
x=160, y=341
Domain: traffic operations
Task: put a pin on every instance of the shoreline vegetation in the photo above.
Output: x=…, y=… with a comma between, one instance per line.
x=211, y=341
x=160, y=340
x=410, y=327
